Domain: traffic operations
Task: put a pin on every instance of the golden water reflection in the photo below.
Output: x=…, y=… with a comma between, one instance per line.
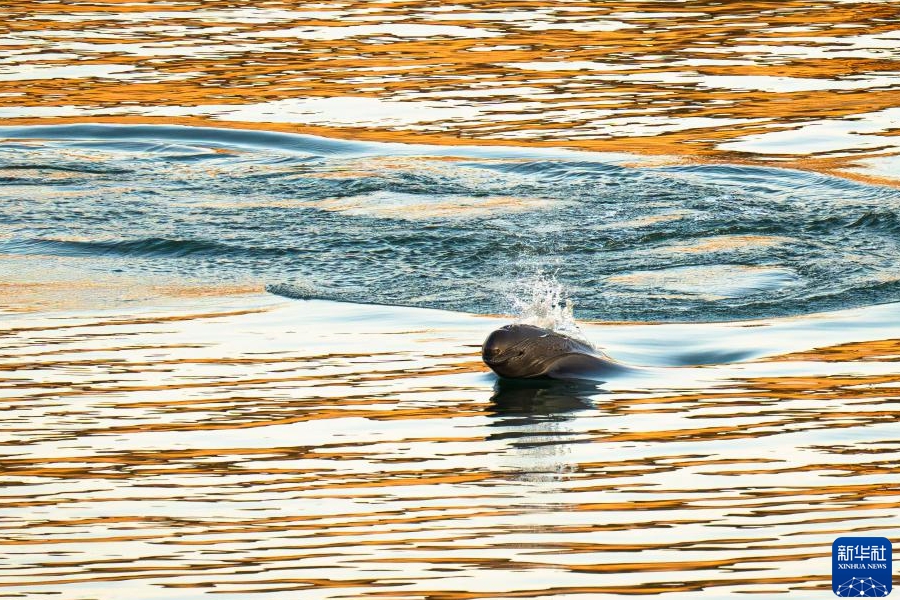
x=244, y=446
x=812, y=84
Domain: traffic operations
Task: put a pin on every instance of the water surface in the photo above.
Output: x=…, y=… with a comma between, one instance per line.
x=814, y=84
x=317, y=450
x=171, y=431
x=461, y=228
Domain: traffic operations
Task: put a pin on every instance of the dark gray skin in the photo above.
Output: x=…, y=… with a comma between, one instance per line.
x=527, y=352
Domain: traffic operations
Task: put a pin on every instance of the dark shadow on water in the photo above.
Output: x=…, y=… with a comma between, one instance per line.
x=529, y=411
x=715, y=356
x=541, y=398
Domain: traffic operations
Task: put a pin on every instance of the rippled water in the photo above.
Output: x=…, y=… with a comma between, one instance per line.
x=454, y=228
x=814, y=83
x=172, y=431
x=321, y=450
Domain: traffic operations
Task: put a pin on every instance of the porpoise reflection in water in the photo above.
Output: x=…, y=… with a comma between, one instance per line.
x=533, y=399
x=521, y=351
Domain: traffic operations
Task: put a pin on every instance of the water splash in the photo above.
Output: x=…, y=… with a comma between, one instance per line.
x=542, y=301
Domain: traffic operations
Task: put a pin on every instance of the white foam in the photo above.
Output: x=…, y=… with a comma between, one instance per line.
x=543, y=303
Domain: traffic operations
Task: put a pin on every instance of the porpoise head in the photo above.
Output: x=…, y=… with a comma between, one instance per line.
x=521, y=351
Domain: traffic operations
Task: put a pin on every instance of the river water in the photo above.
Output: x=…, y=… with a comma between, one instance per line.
x=249, y=252
x=807, y=83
